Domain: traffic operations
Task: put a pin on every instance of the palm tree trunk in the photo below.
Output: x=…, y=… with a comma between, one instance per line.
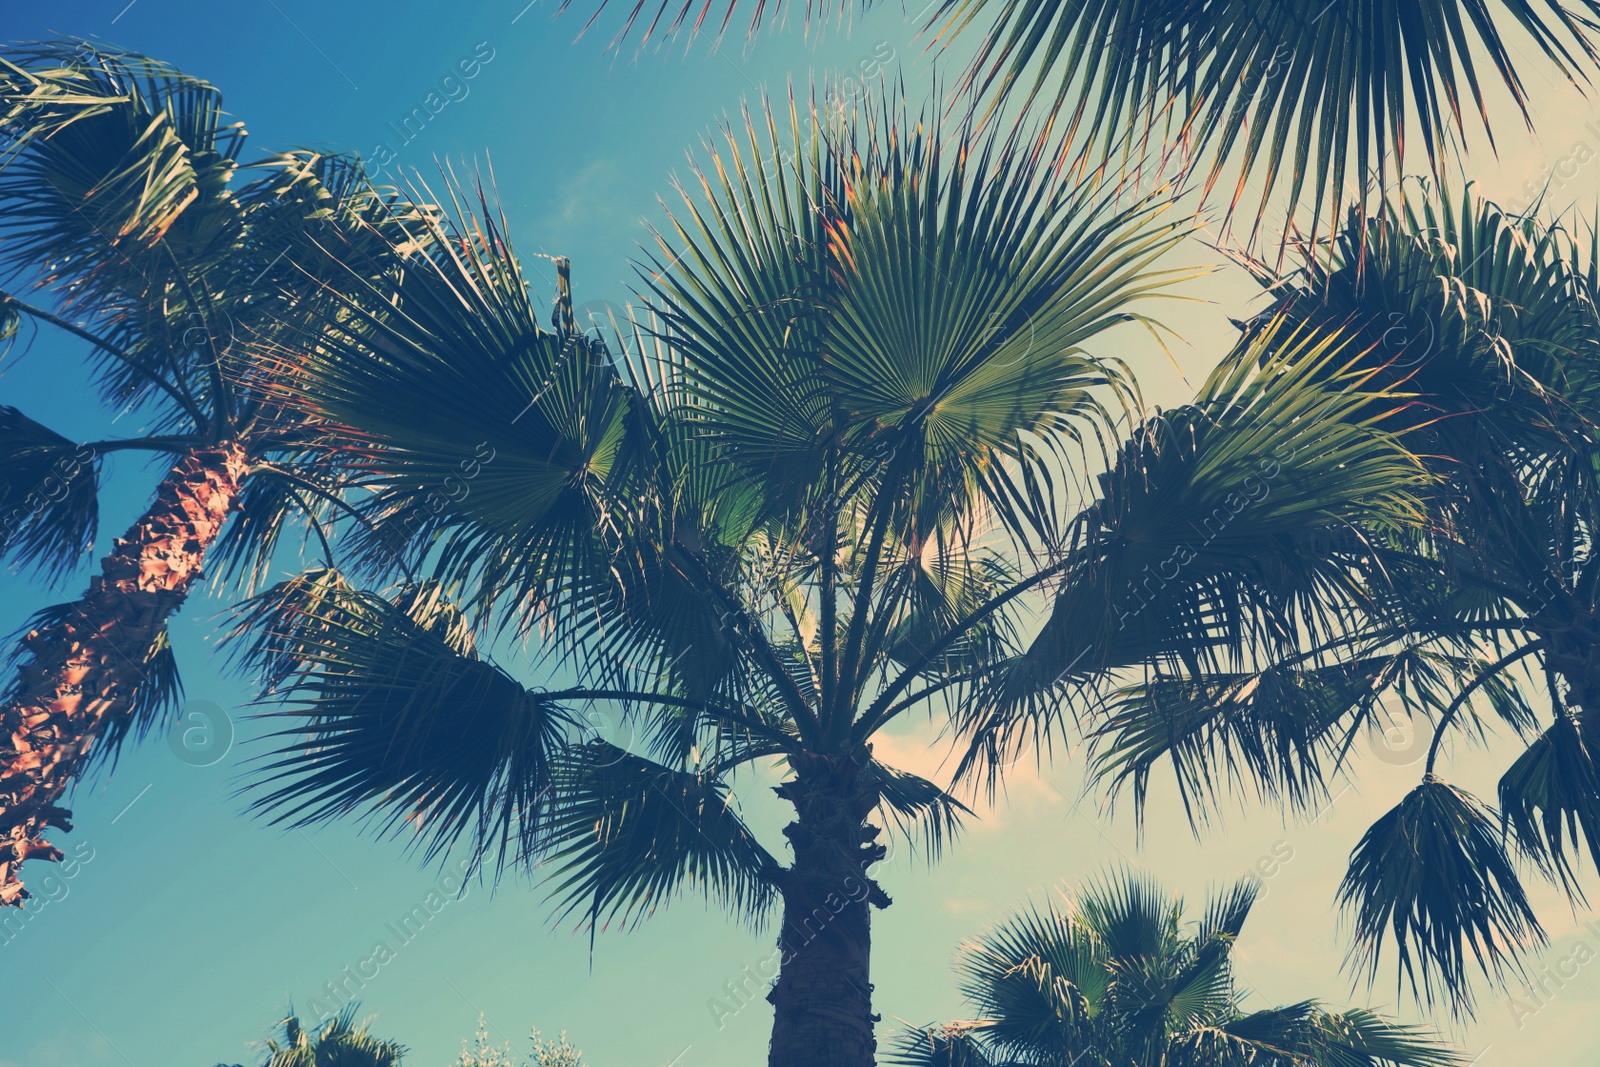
x=822, y=1000
x=83, y=671
x=1572, y=652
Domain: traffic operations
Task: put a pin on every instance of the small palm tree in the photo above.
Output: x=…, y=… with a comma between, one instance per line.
x=120, y=208
x=817, y=493
x=1492, y=322
x=339, y=1042
x=1114, y=977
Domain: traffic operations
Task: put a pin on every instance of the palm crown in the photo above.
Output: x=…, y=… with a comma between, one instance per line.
x=812, y=491
x=1488, y=320
x=127, y=211
x=1113, y=976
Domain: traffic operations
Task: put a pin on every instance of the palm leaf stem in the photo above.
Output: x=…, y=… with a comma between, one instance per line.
x=181, y=398
x=1461, y=698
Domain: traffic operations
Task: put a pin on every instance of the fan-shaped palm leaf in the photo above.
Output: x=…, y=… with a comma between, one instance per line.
x=1435, y=872
x=1111, y=978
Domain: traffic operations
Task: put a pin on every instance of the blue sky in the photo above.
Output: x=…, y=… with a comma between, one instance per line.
x=185, y=927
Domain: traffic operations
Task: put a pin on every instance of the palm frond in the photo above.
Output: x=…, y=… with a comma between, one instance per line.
x=49, y=494
x=1434, y=874
x=1274, y=730
x=939, y=1046
x=1486, y=315
x=1551, y=794
x=911, y=299
x=626, y=834
x=1198, y=982
x=105, y=149
x=1363, y=1038
x=338, y=1042
x=1037, y=980
x=1131, y=915
x=1114, y=978
x=1226, y=532
x=243, y=553
x=156, y=705
x=919, y=809
x=493, y=444
x=115, y=169
x=396, y=719
x=949, y=579
x=1304, y=97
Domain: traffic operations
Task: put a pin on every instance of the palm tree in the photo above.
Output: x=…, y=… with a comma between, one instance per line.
x=119, y=206
x=814, y=491
x=1305, y=98
x=1490, y=320
x=339, y=1042
x=1115, y=977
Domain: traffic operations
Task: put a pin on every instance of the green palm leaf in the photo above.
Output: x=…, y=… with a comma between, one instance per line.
x=1284, y=729
x=460, y=345
x=1114, y=977
x=1357, y=1037
x=115, y=169
x=1221, y=531
x=566, y=499
x=339, y=1042
x=1488, y=319
x=912, y=298
x=1551, y=794
x=1272, y=729
x=940, y=1047
x=919, y=808
x=1458, y=297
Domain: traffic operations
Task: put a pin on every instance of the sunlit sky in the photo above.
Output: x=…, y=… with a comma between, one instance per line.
x=190, y=926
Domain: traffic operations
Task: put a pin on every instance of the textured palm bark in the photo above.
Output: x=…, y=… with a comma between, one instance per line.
x=83, y=673
x=822, y=1000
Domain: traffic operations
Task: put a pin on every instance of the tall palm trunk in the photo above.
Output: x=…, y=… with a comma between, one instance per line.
x=822, y=1000
x=83, y=671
